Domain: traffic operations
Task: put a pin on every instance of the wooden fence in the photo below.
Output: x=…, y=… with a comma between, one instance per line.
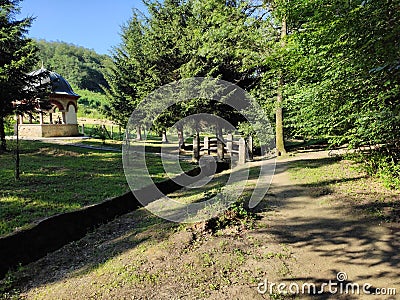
x=240, y=147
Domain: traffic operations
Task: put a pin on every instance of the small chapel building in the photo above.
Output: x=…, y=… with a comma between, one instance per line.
x=57, y=120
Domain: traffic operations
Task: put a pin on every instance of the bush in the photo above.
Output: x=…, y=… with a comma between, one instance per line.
x=381, y=162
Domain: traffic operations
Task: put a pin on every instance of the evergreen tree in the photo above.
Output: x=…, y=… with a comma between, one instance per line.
x=18, y=55
x=181, y=39
x=147, y=58
x=127, y=73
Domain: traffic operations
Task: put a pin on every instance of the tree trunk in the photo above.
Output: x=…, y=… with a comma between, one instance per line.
x=138, y=133
x=181, y=140
x=218, y=132
x=280, y=145
x=164, y=136
x=196, y=147
x=3, y=143
x=17, y=159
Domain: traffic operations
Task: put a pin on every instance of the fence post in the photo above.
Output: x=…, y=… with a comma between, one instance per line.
x=83, y=129
x=229, y=141
x=196, y=147
x=242, y=151
x=220, y=149
x=112, y=132
x=250, y=147
x=206, y=145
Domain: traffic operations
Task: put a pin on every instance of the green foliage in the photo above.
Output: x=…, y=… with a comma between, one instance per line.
x=18, y=54
x=83, y=68
x=9, y=125
x=237, y=214
x=222, y=41
x=343, y=79
x=181, y=39
x=6, y=288
x=125, y=75
x=101, y=133
x=382, y=163
x=337, y=69
x=91, y=104
x=342, y=72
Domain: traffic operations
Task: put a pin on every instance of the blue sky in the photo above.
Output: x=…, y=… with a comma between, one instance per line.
x=88, y=23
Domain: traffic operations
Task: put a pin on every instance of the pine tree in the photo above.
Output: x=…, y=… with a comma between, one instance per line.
x=18, y=55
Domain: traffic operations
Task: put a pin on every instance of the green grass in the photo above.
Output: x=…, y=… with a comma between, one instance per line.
x=317, y=172
x=343, y=183
x=99, y=143
x=57, y=179
x=94, y=130
x=89, y=112
x=9, y=126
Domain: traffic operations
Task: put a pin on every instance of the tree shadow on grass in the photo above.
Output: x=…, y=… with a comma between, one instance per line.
x=135, y=229
x=97, y=247
x=91, y=252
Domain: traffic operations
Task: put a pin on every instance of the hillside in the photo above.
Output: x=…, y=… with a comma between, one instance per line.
x=82, y=67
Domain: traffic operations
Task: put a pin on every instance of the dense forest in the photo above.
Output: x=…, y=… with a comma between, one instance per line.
x=321, y=69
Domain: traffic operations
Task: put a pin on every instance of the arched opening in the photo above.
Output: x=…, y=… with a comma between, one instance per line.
x=56, y=115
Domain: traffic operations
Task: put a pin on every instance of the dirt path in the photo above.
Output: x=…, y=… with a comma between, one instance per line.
x=301, y=237
x=325, y=240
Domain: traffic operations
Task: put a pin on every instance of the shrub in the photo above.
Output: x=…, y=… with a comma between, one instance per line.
x=381, y=162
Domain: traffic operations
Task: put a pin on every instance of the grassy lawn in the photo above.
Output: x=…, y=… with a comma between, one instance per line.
x=344, y=184
x=58, y=178
x=96, y=131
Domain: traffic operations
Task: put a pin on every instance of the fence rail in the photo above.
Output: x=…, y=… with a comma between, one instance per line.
x=221, y=146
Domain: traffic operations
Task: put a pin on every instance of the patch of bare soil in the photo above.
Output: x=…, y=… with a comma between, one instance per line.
x=95, y=121
x=304, y=234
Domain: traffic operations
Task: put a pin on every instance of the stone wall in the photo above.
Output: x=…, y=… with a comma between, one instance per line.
x=48, y=130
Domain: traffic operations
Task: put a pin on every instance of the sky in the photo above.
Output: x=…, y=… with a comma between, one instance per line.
x=89, y=23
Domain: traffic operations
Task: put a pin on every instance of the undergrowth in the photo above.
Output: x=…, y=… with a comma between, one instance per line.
x=236, y=215
x=381, y=163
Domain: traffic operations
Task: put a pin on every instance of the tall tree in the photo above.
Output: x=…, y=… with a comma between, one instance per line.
x=222, y=40
x=343, y=61
x=188, y=38
x=18, y=54
x=279, y=137
x=126, y=73
x=148, y=57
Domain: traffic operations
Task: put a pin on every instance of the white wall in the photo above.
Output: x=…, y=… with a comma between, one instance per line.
x=70, y=115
